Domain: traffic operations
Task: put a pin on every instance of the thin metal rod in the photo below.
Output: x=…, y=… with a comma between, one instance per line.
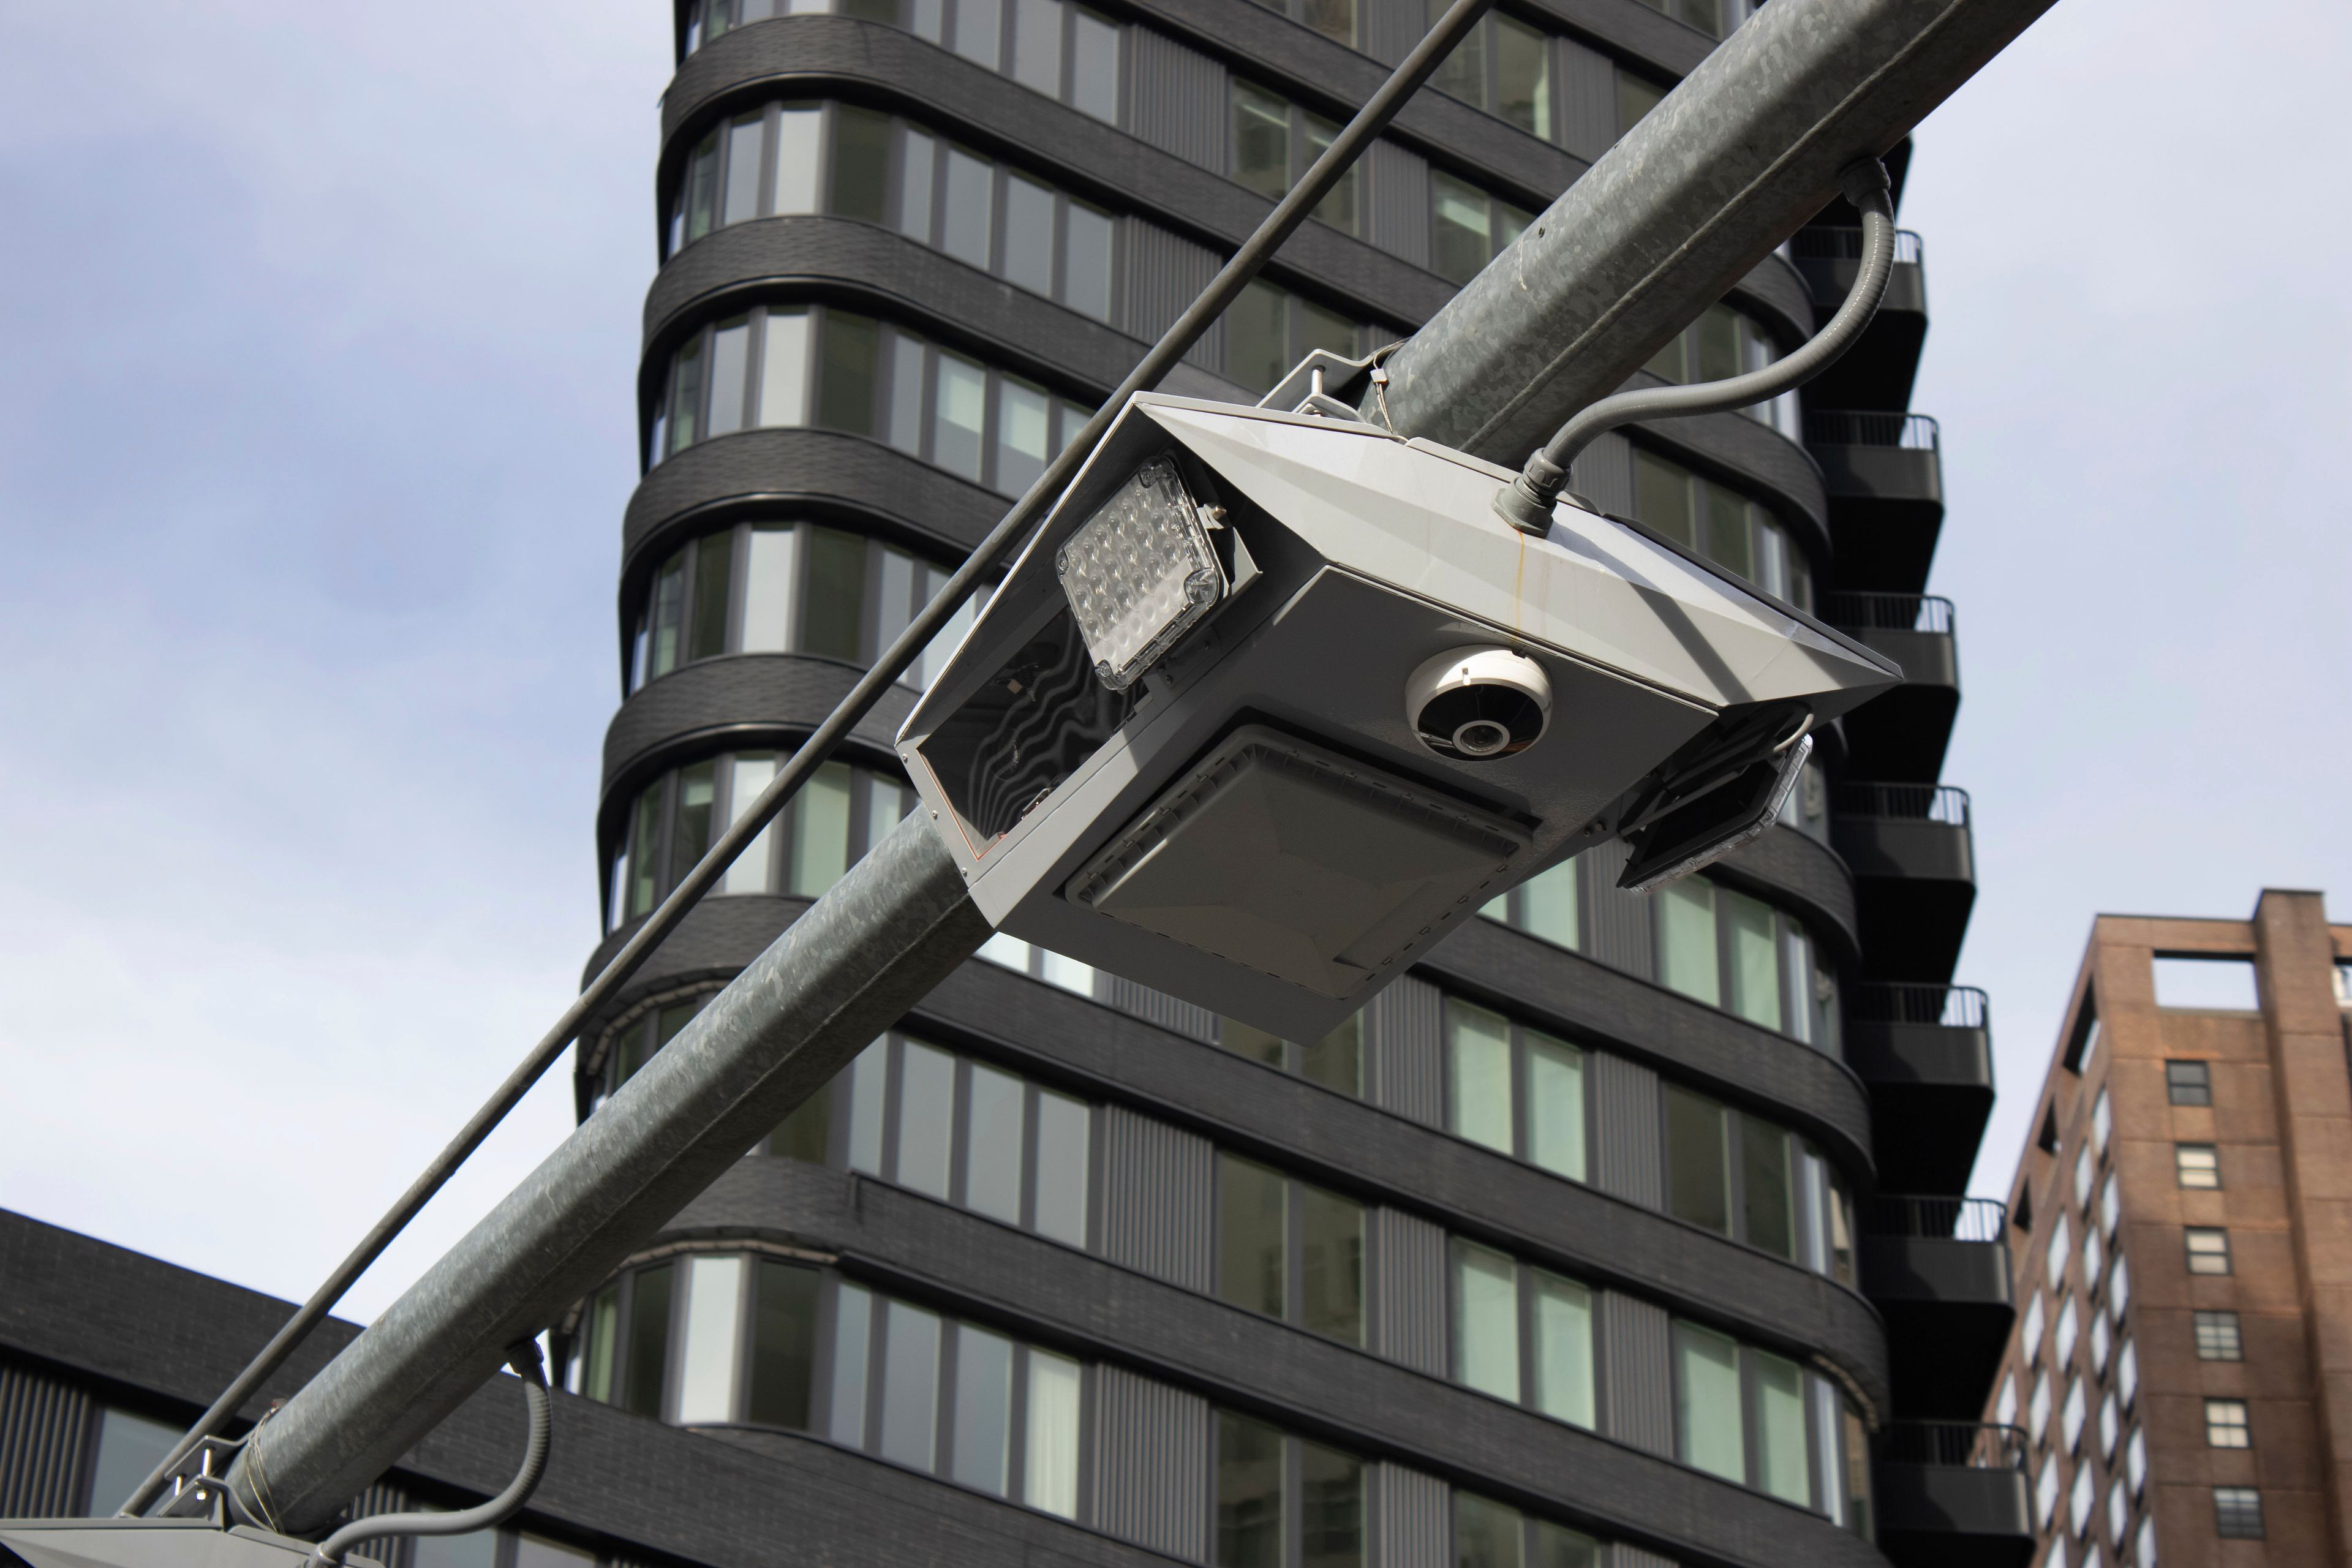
x=1226, y=287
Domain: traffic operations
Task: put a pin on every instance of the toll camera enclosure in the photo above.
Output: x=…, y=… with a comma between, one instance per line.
x=1180, y=744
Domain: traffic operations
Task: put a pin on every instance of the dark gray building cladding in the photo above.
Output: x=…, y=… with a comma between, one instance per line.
x=1623, y=1231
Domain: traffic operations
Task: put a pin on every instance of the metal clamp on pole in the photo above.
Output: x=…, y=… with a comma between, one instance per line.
x=524, y=1359
x=1526, y=502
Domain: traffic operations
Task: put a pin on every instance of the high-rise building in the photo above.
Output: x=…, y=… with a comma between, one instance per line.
x=2179, y=1230
x=1623, y=1230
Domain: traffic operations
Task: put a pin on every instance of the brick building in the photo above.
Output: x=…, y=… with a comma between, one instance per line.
x=2181, y=1237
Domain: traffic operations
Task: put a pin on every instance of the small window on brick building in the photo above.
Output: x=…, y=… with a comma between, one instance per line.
x=2049, y=1139
x=2188, y=1083
x=2225, y=1425
x=2196, y=1166
x=2209, y=1249
x=2238, y=1513
x=2217, y=1337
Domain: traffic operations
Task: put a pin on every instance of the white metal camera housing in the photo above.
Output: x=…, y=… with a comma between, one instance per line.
x=1172, y=746
x=1474, y=704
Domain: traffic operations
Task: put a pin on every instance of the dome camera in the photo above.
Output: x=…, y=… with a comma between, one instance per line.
x=1476, y=704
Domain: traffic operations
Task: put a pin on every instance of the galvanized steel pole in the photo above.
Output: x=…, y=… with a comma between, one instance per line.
x=1737, y=158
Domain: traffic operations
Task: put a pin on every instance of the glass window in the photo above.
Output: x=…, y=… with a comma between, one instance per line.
x=1063, y=1168
x=1550, y=907
x=703, y=188
x=1257, y=336
x=1486, y=1535
x=1331, y=1506
x=1332, y=1264
x=798, y=131
x=861, y=161
x=969, y=206
x=2218, y=1337
x=853, y=1329
x=832, y=617
x=2197, y=1164
x=2238, y=1513
x=1050, y=1468
x=1252, y=1250
x=767, y=569
x=1087, y=260
x=2209, y=1249
x=1023, y=420
x=1635, y=98
x=846, y=385
x=983, y=1410
x=1698, y=1164
x=821, y=831
x=743, y=139
x=959, y=415
x=991, y=1148
x=783, y=1346
x=2119, y=1290
x=648, y=1339
x=2188, y=1083
x=1463, y=238
x=1486, y=1321
x=1710, y=1423
x=910, y=1375
x=1767, y=1192
x=1563, y=1348
x=2111, y=1204
x=2053, y=1263
x=1481, y=1061
x=1029, y=231
x=2102, y=1120
x=1554, y=1105
x=2030, y=1336
x=1037, y=46
x=2071, y=1411
x=919, y=154
x=714, y=1307
x=1094, y=66
x=926, y=1118
x=1340, y=208
x=1751, y=931
x=783, y=369
x=1523, y=76
x=1687, y=957
x=2110, y=1423
x=731, y=346
x=2086, y=1172
x=2037, y=1407
x=1261, y=146
x=129, y=1448
x=2064, y=1340
x=979, y=30
x=1249, y=1493
x=2225, y=1423
x=1785, y=1470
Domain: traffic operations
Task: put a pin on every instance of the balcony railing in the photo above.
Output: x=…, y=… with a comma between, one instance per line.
x=1888, y=613
x=1938, y=1006
x=1904, y=802
x=1961, y=1444
x=1845, y=245
x=1936, y=1219
x=1864, y=428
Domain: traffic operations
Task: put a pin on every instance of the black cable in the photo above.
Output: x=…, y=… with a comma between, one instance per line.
x=1222, y=290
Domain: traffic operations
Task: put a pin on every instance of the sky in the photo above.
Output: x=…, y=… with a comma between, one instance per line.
x=318, y=332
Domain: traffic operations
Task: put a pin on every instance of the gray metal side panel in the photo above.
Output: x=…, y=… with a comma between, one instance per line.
x=1405, y=1032
x=1180, y=99
x=1637, y=1382
x=1621, y=1555
x=1587, y=100
x=1603, y=474
x=1409, y=1309
x=1151, y=1463
x=1629, y=1160
x=1400, y=192
x=1415, y=1519
x=1156, y=1198
x=1157, y=1007
x=1623, y=926
x=1164, y=274
x=1391, y=28
x=44, y=1443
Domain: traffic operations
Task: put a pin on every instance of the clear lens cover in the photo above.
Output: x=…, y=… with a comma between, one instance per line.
x=1139, y=573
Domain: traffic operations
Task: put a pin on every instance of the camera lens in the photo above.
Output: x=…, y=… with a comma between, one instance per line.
x=1481, y=737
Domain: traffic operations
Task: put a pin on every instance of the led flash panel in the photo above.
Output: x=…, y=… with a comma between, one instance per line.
x=1139, y=573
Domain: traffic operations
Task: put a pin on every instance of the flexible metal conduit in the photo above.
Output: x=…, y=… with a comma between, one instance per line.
x=1526, y=503
x=524, y=1359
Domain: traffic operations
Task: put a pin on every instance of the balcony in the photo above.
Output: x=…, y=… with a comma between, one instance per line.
x=1914, y=863
x=1925, y=1051
x=1902, y=734
x=1877, y=372
x=1937, y=1270
x=1952, y=1494
x=1884, y=477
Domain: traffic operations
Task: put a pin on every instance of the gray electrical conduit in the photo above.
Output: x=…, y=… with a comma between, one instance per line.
x=1277, y=226
x=1526, y=503
x=524, y=1359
